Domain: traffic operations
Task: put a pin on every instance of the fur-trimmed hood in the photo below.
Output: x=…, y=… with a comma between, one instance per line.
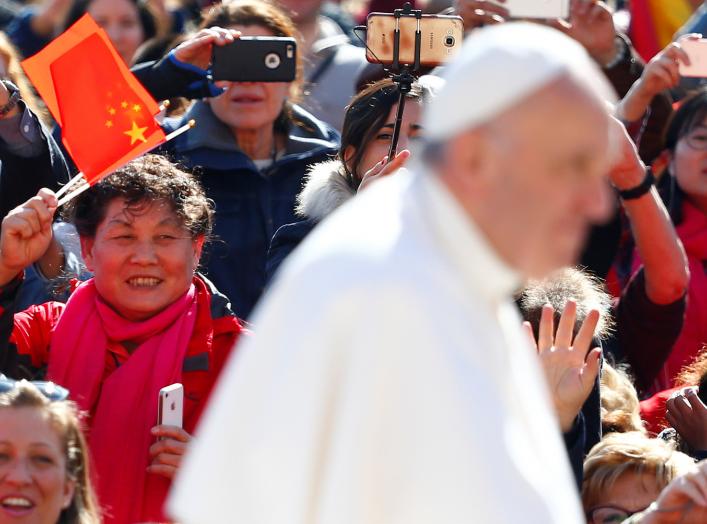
x=325, y=189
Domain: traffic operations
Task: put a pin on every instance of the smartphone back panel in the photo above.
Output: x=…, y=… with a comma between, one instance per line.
x=256, y=59
x=441, y=37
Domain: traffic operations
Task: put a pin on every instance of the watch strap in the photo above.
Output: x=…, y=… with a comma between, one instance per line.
x=641, y=189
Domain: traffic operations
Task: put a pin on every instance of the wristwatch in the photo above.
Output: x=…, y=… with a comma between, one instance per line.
x=641, y=189
x=14, y=98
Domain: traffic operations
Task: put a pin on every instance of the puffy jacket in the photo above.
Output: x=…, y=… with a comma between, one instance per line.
x=325, y=190
x=250, y=205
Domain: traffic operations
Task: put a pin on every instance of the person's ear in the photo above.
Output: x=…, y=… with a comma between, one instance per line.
x=87, y=245
x=198, y=245
x=68, y=495
x=348, y=155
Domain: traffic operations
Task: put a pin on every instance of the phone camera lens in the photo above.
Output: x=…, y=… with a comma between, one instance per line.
x=272, y=60
x=449, y=41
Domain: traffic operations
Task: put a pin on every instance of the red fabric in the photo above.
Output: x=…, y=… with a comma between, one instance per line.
x=210, y=343
x=653, y=411
x=642, y=31
x=127, y=398
x=693, y=234
x=109, y=119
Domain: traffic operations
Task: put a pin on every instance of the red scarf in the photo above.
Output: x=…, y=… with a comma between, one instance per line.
x=692, y=231
x=124, y=405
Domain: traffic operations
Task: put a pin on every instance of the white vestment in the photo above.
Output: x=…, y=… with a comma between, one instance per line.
x=388, y=381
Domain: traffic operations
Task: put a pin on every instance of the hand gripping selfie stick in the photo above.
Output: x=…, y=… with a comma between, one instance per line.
x=403, y=73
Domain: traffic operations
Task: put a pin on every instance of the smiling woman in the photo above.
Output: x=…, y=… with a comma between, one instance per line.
x=145, y=321
x=44, y=473
x=251, y=148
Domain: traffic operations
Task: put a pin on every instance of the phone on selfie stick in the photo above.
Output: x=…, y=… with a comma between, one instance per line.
x=402, y=71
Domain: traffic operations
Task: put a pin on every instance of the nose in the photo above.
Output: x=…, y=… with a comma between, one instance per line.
x=597, y=201
x=143, y=253
x=403, y=141
x=114, y=32
x=17, y=473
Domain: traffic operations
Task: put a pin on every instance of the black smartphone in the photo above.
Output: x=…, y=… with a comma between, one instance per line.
x=256, y=59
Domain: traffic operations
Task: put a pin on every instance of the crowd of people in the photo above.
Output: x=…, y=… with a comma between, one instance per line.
x=507, y=324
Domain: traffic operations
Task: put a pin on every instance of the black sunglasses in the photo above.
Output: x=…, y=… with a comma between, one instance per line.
x=51, y=391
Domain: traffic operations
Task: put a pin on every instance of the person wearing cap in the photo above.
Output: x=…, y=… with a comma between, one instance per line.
x=389, y=379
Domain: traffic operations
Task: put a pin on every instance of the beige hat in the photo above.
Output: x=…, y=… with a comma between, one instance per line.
x=497, y=67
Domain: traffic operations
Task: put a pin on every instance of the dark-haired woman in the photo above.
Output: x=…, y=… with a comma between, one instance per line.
x=684, y=189
x=362, y=158
x=146, y=320
x=250, y=149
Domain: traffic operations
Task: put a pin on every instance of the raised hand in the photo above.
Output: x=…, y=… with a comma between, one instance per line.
x=627, y=170
x=477, y=13
x=569, y=365
x=688, y=415
x=661, y=73
x=683, y=501
x=384, y=168
x=591, y=24
x=26, y=234
x=166, y=454
x=196, y=50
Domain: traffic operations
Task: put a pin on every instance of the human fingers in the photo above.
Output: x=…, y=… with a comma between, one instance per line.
x=162, y=470
x=565, y=328
x=397, y=162
x=585, y=335
x=170, y=432
x=698, y=407
x=598, y=12
x=167, y=459
x=494, y=7
x=679, y=406
x=668, y=71
x=546, y=328
x=43, y=213
x=169, y=446
x=591, y=369
x=580, y=8
x=528, y=330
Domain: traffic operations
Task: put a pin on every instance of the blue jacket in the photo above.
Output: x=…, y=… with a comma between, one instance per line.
x=250, y=205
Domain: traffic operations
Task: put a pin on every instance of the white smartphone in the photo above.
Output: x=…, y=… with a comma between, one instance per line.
x=170, y=405
x=697, y=52
x=537, y=8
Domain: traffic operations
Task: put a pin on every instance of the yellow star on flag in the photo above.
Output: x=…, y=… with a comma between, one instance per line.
x=136, y=133
x=111, y=110
x=124, y=104
x=109, y=123
x=137, y=108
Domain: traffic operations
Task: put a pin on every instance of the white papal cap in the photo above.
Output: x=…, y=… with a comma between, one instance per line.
x=499, y=66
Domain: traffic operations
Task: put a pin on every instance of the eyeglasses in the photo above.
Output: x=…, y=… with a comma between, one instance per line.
x=53, y=392
x=608, y=514
x=697, y=139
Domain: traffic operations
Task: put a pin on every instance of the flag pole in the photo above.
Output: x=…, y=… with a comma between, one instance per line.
x=71, y=183
x=76, y=192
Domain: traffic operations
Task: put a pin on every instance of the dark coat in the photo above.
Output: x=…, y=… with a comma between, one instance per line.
x=250, y=205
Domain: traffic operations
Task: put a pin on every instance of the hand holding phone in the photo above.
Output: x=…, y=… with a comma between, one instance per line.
x=256, y=59
x=538, y=8
x=170, y=405
x=696, y=50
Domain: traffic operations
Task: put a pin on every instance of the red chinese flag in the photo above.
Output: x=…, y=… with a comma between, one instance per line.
x=106, y=116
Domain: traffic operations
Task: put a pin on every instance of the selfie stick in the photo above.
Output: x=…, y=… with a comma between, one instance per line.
x=402, y=75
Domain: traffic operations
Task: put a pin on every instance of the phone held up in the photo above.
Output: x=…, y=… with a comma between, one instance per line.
x=256, y=59
x=538, y=8
x=441, y=37
x=697, y=52
x=170, y=405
